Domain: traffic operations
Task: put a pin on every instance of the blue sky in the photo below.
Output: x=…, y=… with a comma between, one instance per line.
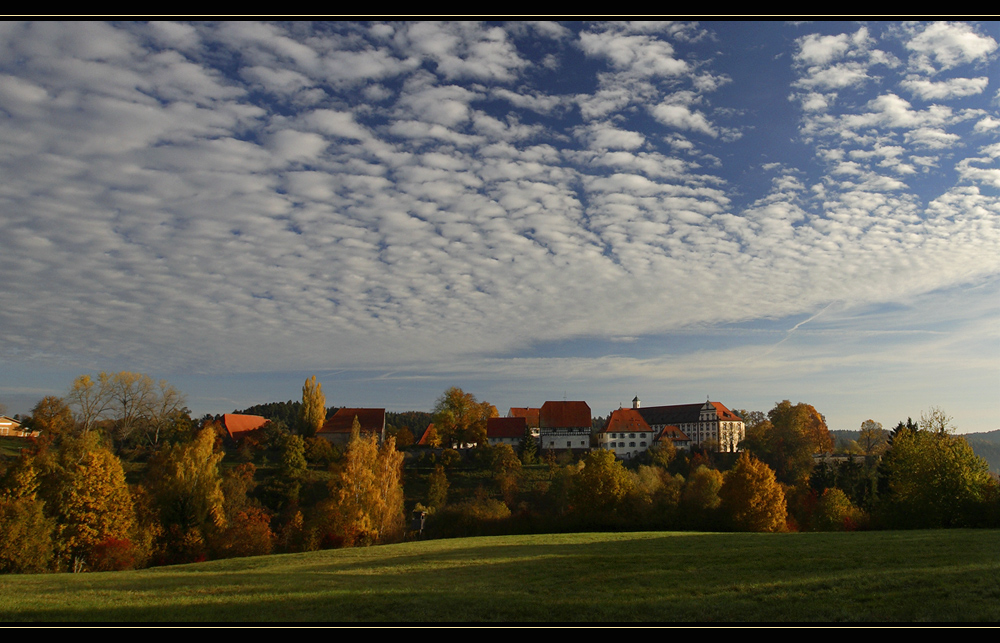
x=751, y=211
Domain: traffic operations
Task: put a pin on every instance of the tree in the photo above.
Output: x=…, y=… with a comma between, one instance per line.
x=460, y=419
x=788, y=440
x=26, y=545
x=602, y=485
x=90, y=398
x=52, y=417
x=85, y=491
x=437, y=488
x=752, y=497
x=313, y=410
x=366, y=500
x=873, y=439
x=934, y=480
x=936, y=420
x=699, y=500
x=186, y=485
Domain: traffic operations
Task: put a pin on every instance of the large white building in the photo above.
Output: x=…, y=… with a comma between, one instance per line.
x=710, y=423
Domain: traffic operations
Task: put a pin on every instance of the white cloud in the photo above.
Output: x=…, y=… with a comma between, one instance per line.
x=951, y=88
x=943, y=45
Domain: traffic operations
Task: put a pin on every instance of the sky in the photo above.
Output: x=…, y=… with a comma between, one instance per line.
x=743, y=211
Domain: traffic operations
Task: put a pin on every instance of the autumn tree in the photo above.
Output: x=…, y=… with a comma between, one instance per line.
x=86, y=493
x=437, y=488
x=788, y=440
x=186, y=486
x=26, y=545
x=873, y=439
x=460, y=419
x=751, y=496
x=602, y=486
x=366, y=500
x=139, y=407
x=51, y=417
x=90, y=399
x=313, y=410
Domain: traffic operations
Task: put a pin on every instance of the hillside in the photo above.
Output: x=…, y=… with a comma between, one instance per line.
x=648, y=577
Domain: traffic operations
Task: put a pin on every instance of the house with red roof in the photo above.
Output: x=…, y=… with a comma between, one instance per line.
x=237, y=425
x=508, y=430
x=626, y=434
x=564, y=426
x=337, y=428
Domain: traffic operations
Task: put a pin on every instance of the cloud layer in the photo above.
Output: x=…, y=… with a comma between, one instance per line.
x=246, y=197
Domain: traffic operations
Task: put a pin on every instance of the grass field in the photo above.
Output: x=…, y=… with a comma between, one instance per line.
x=649, y=577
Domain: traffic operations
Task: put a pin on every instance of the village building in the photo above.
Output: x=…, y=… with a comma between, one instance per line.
x=626, y=434
x=710, y=424
x=237, y=425
x=508, y=430
x=337, y=428
x=530, y=416
x=564, y=426
x=9, y=427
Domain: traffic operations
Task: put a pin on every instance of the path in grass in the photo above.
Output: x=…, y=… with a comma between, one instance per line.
x=626, y=577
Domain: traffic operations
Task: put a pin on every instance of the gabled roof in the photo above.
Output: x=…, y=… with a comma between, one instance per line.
x=508, y=427
x=423, y=438
x=625, y=421
x=725, y=414
x=564, y=415
x=673, y=434
x=237, y=425
x=371, y=421
x=528, y=413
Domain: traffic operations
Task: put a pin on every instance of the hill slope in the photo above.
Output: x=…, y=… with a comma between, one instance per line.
x=615, y=577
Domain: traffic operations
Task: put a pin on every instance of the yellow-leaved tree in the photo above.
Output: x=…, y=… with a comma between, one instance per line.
x=313, y=412
x=752, y=497
x=366, y=498
x=86, y=492
x=186, y=487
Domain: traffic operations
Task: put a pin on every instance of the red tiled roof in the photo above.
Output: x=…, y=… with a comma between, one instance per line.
x=528, y=413
x=514, y=427
x=371, y=421
x=673, y=434
x=725, y=414
x=423, y=438
x=561, y=415
x=624, y=421
x=238, y=424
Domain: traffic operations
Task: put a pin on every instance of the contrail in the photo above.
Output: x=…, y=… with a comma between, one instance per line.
x=793, y=329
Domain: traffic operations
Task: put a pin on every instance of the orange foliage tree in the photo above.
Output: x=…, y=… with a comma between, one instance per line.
x=752, y=497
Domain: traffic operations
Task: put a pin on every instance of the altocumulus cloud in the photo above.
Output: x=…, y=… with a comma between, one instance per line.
x=285, y=196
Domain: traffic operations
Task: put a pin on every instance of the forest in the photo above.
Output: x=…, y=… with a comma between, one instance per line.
x=120, y=476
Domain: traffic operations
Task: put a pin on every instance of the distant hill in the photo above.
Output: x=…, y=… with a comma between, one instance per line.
x=986, y=446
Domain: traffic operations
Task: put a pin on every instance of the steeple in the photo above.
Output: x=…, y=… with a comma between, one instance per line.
x=635, y=402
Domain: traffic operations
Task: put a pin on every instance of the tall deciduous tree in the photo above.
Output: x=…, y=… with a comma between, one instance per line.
x=86, y=493
x=461, y=419
x=752, y=497
x=602, y=485
x=873, y=439
x=366, y=500
x=788, y=440
x=186, y=485
x=313, y=411
x=51, y=417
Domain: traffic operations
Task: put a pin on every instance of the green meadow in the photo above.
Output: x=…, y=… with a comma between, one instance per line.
x=645, y=577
